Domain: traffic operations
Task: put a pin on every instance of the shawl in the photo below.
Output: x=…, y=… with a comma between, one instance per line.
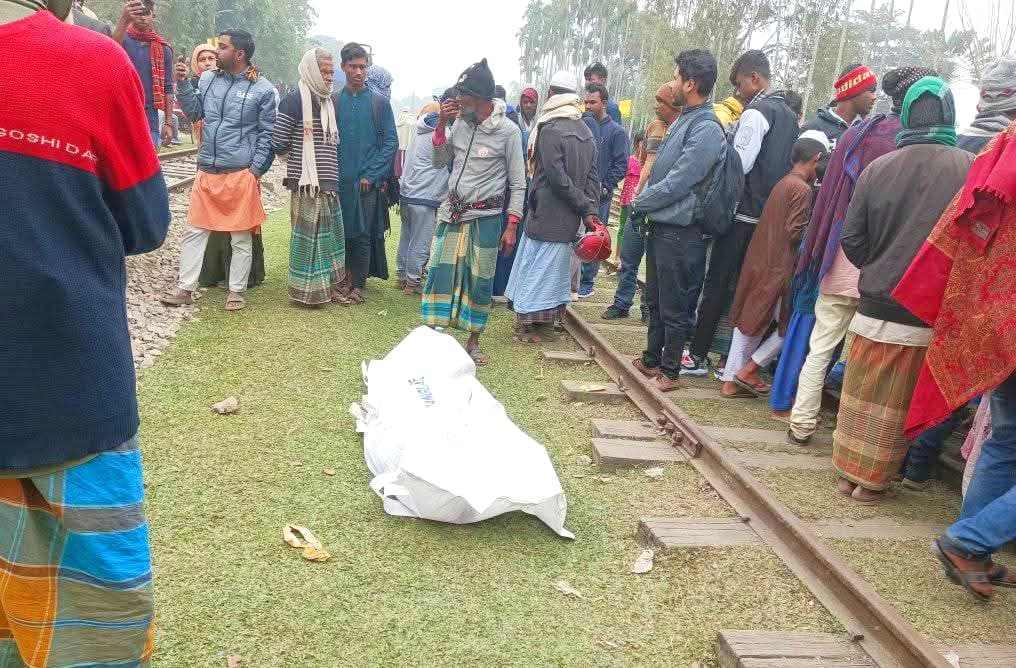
x=198, y=50
x=929, y=134
x=155, y=44
x=858, y=148
x=314, y=89
x=564, y=105
x=962, y=282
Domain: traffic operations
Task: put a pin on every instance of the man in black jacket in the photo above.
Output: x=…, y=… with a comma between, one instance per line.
x=853, y=99
x=564, y=193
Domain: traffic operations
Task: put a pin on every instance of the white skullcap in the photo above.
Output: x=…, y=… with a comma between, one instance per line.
x=818, y=136
x=564, y=80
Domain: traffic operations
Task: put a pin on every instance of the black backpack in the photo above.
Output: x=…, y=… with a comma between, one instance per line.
x=719, y=193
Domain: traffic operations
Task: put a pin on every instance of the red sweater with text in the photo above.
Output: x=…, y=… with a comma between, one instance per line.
x=80, y=188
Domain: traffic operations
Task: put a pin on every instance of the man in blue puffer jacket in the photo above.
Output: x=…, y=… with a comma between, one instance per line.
x=238, y=108
x=675, y=250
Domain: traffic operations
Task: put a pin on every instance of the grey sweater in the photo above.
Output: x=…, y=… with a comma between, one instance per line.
x=485, y=158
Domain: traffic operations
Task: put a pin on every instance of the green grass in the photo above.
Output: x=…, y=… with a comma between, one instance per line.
x=404, y=592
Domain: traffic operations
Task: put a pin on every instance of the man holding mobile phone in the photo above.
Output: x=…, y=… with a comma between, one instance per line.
x=153, y=59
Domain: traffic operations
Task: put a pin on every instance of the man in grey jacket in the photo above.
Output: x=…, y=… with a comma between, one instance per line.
x=238, y=108
x=423, y=186
x=675, y=250
x=485, y=150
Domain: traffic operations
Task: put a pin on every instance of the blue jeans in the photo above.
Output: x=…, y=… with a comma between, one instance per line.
x=590, y=269
x=925, y=449
x=988, y=517
x=633, y=247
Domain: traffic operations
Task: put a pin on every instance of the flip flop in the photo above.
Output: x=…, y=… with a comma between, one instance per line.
x=479, y=359
x=744, y=391
x=235, y=302
x=759, y=390
x=1000, y=576
x=955, y=575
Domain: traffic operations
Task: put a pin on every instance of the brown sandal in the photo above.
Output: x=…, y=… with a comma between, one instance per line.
x=648, y=372
x=526, y=335
x=970, y=574
x=235, y=302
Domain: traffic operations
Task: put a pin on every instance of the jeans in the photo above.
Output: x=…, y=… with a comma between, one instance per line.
x=720, y=283
x=633, y=247
x=418, y=224
x=925, y=449
x=590, y=269
x=675, y=261
x=988, y=517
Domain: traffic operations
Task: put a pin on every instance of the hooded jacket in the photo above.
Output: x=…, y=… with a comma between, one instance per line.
x=829, y=123
x=422, y=182
x=239, y=116
x=484, y=159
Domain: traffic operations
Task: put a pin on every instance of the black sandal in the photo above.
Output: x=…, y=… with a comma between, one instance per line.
x=961, y=578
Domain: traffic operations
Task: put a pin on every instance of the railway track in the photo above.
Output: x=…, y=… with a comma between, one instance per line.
x=179, y=168
x=876, y=632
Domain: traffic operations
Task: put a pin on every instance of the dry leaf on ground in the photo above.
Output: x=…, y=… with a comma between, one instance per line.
x=655, y=472
x=644, y=563
x=328, y=471
x=566, y=589
x=227, y=406
x=315, y=554
x=233, y=661
x=583, y=460
x=295, y=535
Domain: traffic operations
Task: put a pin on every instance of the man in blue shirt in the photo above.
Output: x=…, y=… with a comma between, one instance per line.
x=367, y=145
x=612, y=164
x=597, y=74
x=136, y=33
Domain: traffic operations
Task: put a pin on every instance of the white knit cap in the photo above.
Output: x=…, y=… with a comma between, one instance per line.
x=818, y=136
x=564, y=80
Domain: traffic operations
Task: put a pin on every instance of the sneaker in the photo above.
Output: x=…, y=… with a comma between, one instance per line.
x=614, y=313
x=794, y=440
x=693, y=366
x=586, y=295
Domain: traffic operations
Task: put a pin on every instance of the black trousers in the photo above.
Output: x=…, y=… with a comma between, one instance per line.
x=675, y=262
x=720, y=284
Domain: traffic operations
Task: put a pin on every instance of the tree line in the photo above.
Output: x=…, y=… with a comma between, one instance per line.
x=809, y=42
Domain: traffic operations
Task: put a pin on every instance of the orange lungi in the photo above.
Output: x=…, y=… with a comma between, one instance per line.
x=226, y=202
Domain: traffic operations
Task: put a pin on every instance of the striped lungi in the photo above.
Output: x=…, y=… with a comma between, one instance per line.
x=461, y=276
x=75, y=566
x=317, y=248
x=868, y=444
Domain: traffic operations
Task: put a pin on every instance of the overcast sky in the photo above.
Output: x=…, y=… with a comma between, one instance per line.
x=427, y=45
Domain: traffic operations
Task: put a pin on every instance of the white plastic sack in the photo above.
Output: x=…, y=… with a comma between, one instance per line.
x=441, y=447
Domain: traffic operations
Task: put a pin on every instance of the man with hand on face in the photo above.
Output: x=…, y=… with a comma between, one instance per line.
x=153, y=59
x=237, y=106
x=485, y=151
x=367, y=144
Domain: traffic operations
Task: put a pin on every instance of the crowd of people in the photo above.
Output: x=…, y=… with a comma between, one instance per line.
x=878, y=242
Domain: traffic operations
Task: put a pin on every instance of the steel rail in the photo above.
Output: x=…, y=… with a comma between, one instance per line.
x=871, y=622
x=168, y=157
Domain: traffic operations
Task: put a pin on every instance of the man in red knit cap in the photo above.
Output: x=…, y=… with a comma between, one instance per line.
x=81, y=189
x=854, y=97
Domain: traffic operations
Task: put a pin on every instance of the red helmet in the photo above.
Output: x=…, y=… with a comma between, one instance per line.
x=594, y=246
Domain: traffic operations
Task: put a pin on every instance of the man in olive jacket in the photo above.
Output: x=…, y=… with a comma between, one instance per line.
x=564, y=193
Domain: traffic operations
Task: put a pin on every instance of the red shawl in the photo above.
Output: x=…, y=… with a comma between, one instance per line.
x=158, y=58
x=963, y=282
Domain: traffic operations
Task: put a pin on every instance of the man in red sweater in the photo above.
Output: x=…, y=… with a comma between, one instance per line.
x=81, y=189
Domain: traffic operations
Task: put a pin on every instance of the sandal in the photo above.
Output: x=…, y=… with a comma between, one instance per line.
x=744, y=391
x=867, y=496
x=1000, y=576
x=479, y=359
x=356, y=297
x=757, y=390
x=341, y=298
x=648, y=372
x=845, y=487
x=974, y=581
x=178, y=298
x=526, y=335
x=235, y=301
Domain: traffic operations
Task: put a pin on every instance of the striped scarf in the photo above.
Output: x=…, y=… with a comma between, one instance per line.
x=155, y=44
